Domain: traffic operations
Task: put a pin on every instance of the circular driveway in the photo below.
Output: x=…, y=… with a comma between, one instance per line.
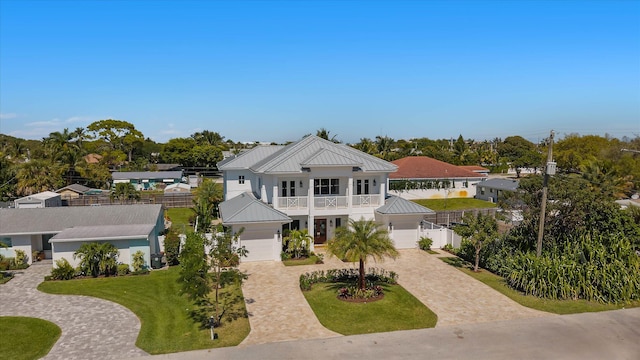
x=92, y=328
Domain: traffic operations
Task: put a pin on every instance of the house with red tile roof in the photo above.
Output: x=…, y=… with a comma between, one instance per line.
x=422, y=177
x=476, y=169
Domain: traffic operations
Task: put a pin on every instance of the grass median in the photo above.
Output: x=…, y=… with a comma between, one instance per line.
x=26, y=338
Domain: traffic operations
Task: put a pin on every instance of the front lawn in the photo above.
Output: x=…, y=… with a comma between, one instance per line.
x=164, y=314
x=454, y=204
x=26, y=338
x=553, y=306
x=398, y=310
x=311, y=260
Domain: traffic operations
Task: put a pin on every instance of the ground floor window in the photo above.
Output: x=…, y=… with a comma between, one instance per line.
x=6, y=241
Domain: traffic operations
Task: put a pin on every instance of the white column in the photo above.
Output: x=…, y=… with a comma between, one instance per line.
x=383, y=190
x=275, y=193
x=349, y=193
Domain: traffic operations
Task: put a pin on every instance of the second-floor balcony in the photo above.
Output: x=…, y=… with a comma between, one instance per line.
x=328, y=202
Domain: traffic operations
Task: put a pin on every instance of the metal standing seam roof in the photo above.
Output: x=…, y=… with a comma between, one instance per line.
x=103, y=232
x=55, y=219
x=395, y=205
x=327, y=157
x=247, y=159
x=291, y=158
x=142, y=175
x=500, y=184
x=245, y=208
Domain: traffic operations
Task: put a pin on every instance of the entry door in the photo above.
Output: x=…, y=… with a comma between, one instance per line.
x=320, y=229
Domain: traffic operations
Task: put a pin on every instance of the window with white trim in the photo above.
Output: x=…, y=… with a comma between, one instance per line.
x=241, y=179
x=326, y=186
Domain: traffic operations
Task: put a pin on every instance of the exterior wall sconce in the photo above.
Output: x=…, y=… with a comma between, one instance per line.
x=278, y=233
x=374, y=182
x=390, y=226
x=423, y=224
x=301, y=184
x=330, y=222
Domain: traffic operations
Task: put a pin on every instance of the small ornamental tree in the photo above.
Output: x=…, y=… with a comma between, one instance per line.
x=194, y=278
x=479, y=230
x=97, y=258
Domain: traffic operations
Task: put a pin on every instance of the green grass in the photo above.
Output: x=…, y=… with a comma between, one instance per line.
x=398, y=310
x=5, y=276
x=180, y=218
x=26, y=338
x=432, y=252
x=164, y=314
x=311, y=260
x=549, y=305
x=454, y=204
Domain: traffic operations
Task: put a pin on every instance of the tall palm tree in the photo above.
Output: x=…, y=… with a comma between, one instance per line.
x=39, y=175
x=358, y=241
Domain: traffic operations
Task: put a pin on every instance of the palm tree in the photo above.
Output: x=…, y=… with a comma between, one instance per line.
x=297, y=242
x=39, y=175
x=358, y=241
x=125, y=191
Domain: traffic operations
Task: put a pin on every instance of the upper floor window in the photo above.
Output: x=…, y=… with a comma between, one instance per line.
x=482, y=190
x=362, y=187
x=326, y=186
x=241, y=179
x=288, y=189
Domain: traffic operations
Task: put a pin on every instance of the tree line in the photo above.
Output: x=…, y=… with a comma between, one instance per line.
x=88, y=155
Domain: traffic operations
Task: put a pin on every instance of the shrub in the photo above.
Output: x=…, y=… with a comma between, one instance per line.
x=123, y=269
x=21, y=258
x=449, y=248
x=63, y=270
x=138, y=263
x=97, y=258
x=374, y=276
x=425, y=243
x=285, y=256
x=172, y=248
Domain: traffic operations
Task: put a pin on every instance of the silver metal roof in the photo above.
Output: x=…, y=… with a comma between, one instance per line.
x=39, y=196
x=245, y=208
x=312, y=151
x=247, y=159
x=395, y=205
x=55, y=219
x=142, y=175
x=103, y=232
x=500, y=184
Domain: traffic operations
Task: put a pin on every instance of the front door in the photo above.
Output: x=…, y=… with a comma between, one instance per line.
x=320, y=229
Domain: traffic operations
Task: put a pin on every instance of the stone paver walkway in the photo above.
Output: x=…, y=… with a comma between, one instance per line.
x=92, y=328
x=279, y=312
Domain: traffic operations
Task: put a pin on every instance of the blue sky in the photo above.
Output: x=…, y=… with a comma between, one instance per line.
x=275, y=71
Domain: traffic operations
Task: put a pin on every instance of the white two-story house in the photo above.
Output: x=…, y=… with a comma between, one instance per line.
x=311, y=184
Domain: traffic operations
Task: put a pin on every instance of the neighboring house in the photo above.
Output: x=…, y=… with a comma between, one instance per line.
x=494, y=189
x=92, y=158
x=147, y=180
x=311, y=184
x=422, y=177
x=177, y=189
x=75, y=191
x=39, y=200
x=60, y=231
x=476, y=169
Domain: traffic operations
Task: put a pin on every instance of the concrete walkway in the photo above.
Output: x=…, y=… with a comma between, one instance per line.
x=604, y=335
x=278, y=311
x=92, y=328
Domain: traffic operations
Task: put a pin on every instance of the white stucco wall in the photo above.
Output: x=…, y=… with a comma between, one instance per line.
x=458, y=191
x=66, y=250
x=261, y=240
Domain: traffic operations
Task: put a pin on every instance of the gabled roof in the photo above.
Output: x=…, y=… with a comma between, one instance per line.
x=103, y=232
x=308, y=152
x=325, y=157
x=424, y=167
x=247, y=159
x=500, y=184
x=245, y=208
x=55, y=219
x=77, y=188
x=395, y=205
x=40, y=196
x=143, y=175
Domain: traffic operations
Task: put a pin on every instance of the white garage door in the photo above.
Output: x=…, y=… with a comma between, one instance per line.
x=259, y=249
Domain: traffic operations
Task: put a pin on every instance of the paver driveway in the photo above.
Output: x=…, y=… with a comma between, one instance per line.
x=278, y=310
x=92, y=328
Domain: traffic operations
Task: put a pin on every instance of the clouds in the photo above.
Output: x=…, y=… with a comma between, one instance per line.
x=41, y=129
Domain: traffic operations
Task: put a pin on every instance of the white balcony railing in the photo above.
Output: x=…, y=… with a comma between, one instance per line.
x=365, y=200
x=330, y=202
x=293, y=203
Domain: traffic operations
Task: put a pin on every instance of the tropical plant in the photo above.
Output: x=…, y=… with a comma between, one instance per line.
x=208, y=195
x=97, y=258
x=20, y=258
x=63, y=270
x=138, y=264
x=194, y=268
x=360, y=240
x=125, y=191
x=479, y=230
x=297, y=243
x=39, y=175
x=172, y=248
x=425, y=243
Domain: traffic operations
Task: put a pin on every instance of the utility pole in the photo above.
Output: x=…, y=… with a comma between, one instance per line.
x=550, y=170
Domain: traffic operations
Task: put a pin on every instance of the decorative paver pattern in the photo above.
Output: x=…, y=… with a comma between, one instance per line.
x=92, y=328
x=279, y=312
